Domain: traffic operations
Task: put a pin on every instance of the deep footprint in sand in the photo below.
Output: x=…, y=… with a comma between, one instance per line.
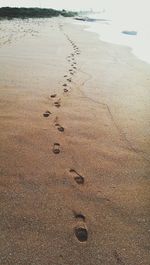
x=79, y=216
x=46, y=113
x=81, y=233
x=57, y=104
x=59, y=127
x=65, y=90
x=71, y=70
x=64, y=84
x=56, y=148
x=78, y=178
x=53, y=95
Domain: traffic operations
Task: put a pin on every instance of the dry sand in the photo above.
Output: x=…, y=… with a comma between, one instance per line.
x=81, y=170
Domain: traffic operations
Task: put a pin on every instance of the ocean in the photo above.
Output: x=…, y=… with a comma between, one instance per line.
x=123, y=30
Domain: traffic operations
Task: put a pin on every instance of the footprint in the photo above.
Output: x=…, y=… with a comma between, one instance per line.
x=64, y=84
x=65, y=90
x=81, y=233
x=69, y=79
x=78, y=178
x=57, y=104
x=79, y=216
x=46, y=113
x=56, y=148
x=53, y=96
x=59, y=127
x=65, y=75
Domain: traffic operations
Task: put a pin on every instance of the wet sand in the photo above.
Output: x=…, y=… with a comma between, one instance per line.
x=75, y=152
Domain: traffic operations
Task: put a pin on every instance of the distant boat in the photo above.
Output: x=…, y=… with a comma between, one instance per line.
x=128, y=32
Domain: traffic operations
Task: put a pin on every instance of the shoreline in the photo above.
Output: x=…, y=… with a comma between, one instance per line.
x=133, y=49
x=126, y=56
x=74, y=148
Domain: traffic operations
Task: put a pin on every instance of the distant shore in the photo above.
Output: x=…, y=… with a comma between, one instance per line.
x=11, y=12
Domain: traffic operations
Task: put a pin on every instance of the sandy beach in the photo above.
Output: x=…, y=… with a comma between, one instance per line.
x=75, y=149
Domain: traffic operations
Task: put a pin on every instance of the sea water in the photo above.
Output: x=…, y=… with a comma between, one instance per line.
x=111, y=27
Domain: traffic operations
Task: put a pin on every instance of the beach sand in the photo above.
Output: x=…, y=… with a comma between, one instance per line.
x=75, y=154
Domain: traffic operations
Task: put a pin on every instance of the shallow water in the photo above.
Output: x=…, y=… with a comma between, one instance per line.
x=111, y=30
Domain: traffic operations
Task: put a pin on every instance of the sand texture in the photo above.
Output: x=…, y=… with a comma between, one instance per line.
x=75, y=150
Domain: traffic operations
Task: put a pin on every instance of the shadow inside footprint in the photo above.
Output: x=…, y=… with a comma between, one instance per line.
x=81, y=234
x=65, y=90
x=59, y=127
x=46, y=113
x=53, y=96
x=56, y=148
x=78, y=178
x=57, y=104
x=79, y=216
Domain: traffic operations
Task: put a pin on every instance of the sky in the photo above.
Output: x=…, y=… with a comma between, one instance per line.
x=59, y=4
x=130, y=9
x=80, y=4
